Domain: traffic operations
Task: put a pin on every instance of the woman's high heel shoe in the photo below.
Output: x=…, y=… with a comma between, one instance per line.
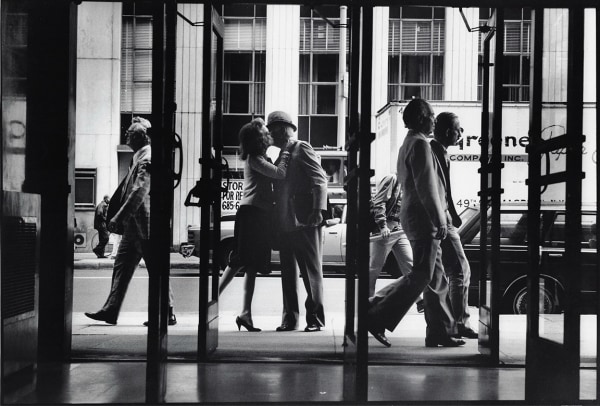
x=248, y=326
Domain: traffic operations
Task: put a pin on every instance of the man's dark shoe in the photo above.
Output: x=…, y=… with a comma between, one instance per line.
x=102, y=316
x=443, y=341
x=380, y=336
x=285, y=327
x=311, y=328
x=466, y=332
x=172, y=318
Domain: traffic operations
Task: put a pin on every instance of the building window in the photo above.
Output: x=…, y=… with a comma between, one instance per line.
x=319, y=75
x=517, y=31
x=15, y=27
x=416, y=53
x=136, y=63
x=244, y=45
x=85, y=188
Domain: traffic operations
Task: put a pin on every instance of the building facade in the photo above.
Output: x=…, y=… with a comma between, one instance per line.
x=286, y=57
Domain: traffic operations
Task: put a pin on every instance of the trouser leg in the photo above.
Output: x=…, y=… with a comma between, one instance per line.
x=378, y=252
x=438, y=309
x=458, y=271
x=103, y=235
x=404, y=256
x=387, y=311
x=128, y=258
x=308, y=246
x=289, y=283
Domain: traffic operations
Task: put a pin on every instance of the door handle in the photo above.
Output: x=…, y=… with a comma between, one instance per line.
x=555, y=255
x=333, y=232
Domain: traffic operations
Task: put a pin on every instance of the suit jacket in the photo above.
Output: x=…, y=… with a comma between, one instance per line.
x=134, y=213
x=441, y=154
x=303, y=189
x=424, y=207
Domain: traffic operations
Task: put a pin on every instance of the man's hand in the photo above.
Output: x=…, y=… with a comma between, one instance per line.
x=315, y=218
x=112, y=226
x=441, y=232
x=385, y=232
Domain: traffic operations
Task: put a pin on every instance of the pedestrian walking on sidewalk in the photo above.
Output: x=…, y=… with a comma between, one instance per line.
x=132, y=219
x=448, y=132
x=100, y=225
x=424, y=217
x=385, y=209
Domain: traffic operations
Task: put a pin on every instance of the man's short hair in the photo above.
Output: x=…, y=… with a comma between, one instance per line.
x=414, y=113
x=443, y=121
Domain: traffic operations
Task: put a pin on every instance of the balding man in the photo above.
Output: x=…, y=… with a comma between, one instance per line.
x=132, y=219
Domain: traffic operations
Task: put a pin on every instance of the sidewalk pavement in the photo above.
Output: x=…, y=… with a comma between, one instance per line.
x=88, y=260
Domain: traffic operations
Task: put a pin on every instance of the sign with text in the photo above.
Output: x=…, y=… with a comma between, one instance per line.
x=230, y=200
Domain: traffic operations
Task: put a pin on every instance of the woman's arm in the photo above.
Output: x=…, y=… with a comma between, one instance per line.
x=261, y=165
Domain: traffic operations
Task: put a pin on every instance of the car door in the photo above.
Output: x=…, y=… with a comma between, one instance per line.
x=334, y=237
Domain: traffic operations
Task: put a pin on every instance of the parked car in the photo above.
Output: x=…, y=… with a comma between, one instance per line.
x=514, y=261
x=334, y=243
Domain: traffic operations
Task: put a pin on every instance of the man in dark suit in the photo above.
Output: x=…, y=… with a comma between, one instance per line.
x=132, y=220
x=447, y=132
x=423, y=216
x=299, y=201
x=100, y=225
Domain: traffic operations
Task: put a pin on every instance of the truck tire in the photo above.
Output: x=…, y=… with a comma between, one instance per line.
x=514, y=300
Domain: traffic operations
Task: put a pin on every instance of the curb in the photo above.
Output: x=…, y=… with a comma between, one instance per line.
x=107, y=264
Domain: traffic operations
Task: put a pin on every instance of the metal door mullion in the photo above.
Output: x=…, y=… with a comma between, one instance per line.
x=597, y=200
x=534, y=189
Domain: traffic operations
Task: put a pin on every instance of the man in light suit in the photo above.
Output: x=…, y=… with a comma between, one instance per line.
x=299, y=201
x=132, y=220
x=423, y=215
x=447, y=132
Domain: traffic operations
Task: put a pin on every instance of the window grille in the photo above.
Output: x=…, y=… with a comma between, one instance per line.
x=136, y=61
x=416, y=40
x=244, y=45
x=517, y=33
x=319, y=76
x=85, y=188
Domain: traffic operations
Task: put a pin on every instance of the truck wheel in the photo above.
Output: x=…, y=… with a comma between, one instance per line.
x=514, y=301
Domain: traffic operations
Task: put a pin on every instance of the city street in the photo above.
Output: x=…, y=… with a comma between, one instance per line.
x=91, y=288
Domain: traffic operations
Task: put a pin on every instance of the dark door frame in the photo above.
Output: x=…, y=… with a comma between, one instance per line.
x=163, y=87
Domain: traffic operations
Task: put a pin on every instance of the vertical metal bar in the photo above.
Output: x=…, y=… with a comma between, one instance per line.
x=597, y=200
x=350, y=339
x=364, y=196
x=163, y=110
x=573, y=196
x=496, y=165
x=352, y=186
x=217, y=142
x=205, y=178
x=342, y=96
x=484, y=178
x=534, y=193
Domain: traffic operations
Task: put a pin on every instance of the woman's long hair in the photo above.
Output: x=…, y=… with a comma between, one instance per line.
x=253, y=141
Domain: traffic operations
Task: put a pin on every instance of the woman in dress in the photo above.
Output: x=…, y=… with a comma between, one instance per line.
x=252, y=252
